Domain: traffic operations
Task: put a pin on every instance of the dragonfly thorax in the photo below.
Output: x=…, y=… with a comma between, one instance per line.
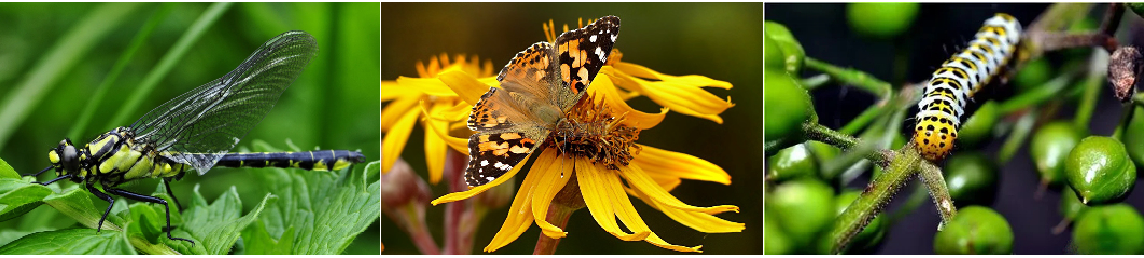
x=113, y=155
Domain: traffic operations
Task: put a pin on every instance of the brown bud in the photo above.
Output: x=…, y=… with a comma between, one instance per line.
x=402, y=186
x=1124, y=67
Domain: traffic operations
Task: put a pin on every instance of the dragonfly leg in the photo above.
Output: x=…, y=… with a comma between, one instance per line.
x=53, y=180
x=150, y=199
x=167, y=183
x=105, y=197
x=41, y=172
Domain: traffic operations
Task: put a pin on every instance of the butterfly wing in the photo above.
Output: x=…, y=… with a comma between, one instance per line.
x=537, y=86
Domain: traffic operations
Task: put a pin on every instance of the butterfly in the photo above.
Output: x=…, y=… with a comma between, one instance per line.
x=538, y=87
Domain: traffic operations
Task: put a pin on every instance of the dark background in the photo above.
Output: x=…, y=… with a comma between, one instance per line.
x=938, y=31
x=723, y=41
x=332, y=105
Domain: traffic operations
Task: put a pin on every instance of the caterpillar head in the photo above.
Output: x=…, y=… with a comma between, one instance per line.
x=934, y=136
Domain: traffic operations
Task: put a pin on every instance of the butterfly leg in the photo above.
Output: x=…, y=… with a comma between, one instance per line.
x=150, y=199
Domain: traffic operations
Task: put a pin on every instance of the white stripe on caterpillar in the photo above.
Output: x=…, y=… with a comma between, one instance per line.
x=958, y=80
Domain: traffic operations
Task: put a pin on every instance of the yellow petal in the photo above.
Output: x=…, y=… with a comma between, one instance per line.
x=465, y=85
x=655, y=240
x=682, y=165
x=395, y=139
x=392, y=112
x=457, y=196
x=519, y=217
x=684, y=94
x=552, y=173
x=435, y=146
x=605, y=202
x=666, y=182
x=441, y=130
x=698, y=221
x=490, y=81
x=429, y=86
x=644, y=72
x=603, y=86
x=391, y=90
x=643, y=184
x=686, y=99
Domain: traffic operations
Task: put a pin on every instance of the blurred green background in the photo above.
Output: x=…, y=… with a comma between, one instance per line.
x=333, y=105
x=723, y=41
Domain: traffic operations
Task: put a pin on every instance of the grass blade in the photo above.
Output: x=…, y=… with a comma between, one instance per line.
x=66, y=53
x=124, y=59
x=167, y=62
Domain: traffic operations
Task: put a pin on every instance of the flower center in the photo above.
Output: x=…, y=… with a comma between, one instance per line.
x=590, y=131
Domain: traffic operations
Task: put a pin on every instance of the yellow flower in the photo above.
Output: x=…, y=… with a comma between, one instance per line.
x=411, y=97
x=649, y=174
x=683, y=94
x=598, y=174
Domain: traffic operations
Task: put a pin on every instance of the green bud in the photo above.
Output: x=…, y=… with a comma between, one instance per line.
x=1099, y=169
x=1109, y=229
x=975, y=230
x=972, y=178
x=978, y=129
x=790, y=163
x=881, y=20
x=788, y=106
x=803, y=208
x=1050, y=148
x=793, y=54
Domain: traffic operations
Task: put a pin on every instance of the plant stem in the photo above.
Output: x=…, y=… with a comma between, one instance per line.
x=1093, y=84
x=848, y=76
x=1046, y=92
x=460, y=221
x=1017, y=136
x=875, y=197
x=558, y=215
x=816, y=81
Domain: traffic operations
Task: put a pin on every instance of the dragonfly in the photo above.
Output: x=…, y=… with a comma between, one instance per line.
x=196, y=131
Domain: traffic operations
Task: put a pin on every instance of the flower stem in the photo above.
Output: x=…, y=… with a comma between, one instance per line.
x=557, y=215
x=460, y=218
x=419, y=233
x=566, y=201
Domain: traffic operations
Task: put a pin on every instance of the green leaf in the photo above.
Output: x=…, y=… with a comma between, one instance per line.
x=321, y=211
x=85, y=207
x=217, y=226
x=70, y=241
x=6, y=171
x=18, y=196
x=258, y=241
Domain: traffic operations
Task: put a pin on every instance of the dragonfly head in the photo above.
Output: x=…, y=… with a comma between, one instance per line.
x=66, y=156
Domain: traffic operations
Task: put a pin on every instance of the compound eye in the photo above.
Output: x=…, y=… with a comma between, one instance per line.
x=70, y=154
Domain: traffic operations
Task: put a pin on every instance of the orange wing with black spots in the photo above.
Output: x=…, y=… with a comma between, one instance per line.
x=538, y=85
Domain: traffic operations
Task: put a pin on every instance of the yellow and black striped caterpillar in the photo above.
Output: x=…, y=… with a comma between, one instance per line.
x=958, y=79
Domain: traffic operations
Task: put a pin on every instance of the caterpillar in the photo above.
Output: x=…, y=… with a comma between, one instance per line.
x=958, y=80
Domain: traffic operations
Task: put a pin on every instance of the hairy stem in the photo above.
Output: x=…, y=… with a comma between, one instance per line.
x=875, y=197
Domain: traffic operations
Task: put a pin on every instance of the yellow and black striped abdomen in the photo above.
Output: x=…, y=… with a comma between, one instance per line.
x=958, y=80
x=324, y=160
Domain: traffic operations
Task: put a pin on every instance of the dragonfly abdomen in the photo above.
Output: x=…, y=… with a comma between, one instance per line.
x=323, y=160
